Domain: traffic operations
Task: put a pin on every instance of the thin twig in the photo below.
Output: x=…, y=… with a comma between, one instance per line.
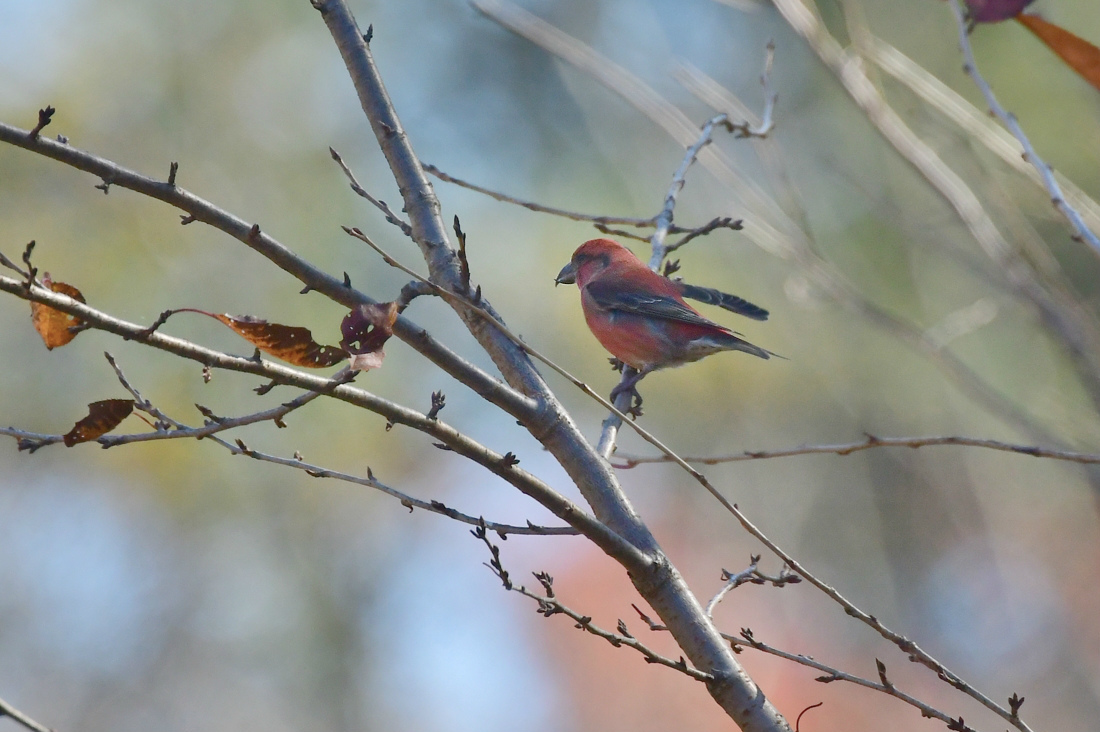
x=549, y=606
x=805, y=20
x=198, y=209
x=538, y=207
x=316, y=471
x=906, y=645
x=767, y=121
x=7, y=710
x=603, y=223
x=748, y=640
x=970, y=119
x=719, y=222
x=750, y=575
x=609, y=429
x=617, y=410
x=629, y=461
x=679, y=178
x=408, y=501
x=382, y=206
x=769, y=227
x=527, y=483
x=915, y=653
x=1056, y=196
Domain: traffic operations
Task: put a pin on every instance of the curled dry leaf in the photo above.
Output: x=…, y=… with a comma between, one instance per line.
x=1079, y=54
x=366, y=329
x=289, y=343
x=54, y=326
x=992, y=11
x=102, y=417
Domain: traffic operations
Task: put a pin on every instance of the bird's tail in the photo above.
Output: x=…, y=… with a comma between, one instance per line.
x=724, y=300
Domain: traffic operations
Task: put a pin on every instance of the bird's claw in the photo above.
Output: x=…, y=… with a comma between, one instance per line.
x=634, y=408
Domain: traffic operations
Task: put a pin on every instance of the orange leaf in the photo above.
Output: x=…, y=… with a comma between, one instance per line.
x=102, y=418
x=54, y=325
x=1079, y=54
x=290, y=343
x=366, y=329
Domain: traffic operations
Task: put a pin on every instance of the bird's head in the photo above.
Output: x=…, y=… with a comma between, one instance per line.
x=592, y=257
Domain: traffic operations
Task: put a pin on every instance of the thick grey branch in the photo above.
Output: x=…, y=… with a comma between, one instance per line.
x=200, y=210
x=660, y=583
x=610, y=542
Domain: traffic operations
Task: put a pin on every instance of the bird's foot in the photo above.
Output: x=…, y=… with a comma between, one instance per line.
x=629, y=385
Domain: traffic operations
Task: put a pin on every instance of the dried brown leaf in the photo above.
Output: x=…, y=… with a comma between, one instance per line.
x=366, y=329
x=1079, y=54
x=53, y=325
x=102, y=417
x=288, y=343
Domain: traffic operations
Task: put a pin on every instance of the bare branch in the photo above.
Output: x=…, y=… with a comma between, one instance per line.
x=1009, y=120
x=7, y=710
x=719, y=222
x=335, y=289
x=750, y=575
x=609, y=430
x=603, y=223
x=769, y=227
x=549, y=606
x=630, y=461
x=391, y=217
x=807, y=23
x=538, y=207
x=653, y=575
x=748, y=640
x=408, y=501
x=528, y=484
x=31, y=441
x=618, y=409
x=767, y=123
x=915, y=653
x=971, y=120
x=664, y=218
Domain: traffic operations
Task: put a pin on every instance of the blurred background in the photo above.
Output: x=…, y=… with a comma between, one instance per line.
x=171, y=585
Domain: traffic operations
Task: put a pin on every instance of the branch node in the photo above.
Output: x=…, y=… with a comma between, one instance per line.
x=439, y=400
x=32, y=271
x=44, y=118
x=463, y=263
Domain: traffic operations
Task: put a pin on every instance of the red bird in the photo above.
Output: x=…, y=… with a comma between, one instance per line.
x=641, y=317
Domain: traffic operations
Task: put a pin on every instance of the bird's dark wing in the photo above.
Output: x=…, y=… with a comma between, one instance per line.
x=613, y=297
x=724, y=300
